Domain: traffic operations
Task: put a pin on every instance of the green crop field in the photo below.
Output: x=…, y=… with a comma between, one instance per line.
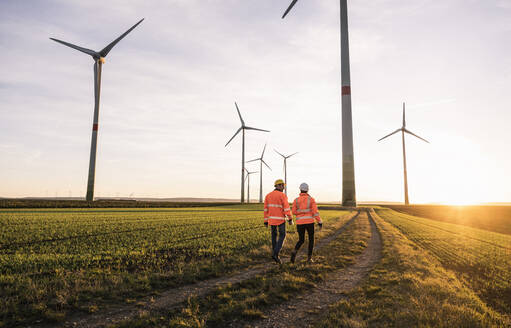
x=492, y=218
x=53, y=261
x=480, y=258
x=59, y=263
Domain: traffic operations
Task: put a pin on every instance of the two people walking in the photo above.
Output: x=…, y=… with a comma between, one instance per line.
x=277, y=211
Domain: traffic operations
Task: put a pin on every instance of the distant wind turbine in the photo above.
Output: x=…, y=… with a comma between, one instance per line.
x=403, y=130
x=348, y=162
x=285, y=167
x=248, y=186
x=242, y=129
x=99, y=60
x=261, y=161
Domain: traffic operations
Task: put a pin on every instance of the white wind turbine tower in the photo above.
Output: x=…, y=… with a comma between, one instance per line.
x=261, y=161
x=285, y=167
x=403, y=130
x=348, y=162
x=248, y=185
x=242, y=129
x=99, y=60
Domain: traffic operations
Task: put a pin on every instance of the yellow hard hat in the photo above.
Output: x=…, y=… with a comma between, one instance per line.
x=279, y=181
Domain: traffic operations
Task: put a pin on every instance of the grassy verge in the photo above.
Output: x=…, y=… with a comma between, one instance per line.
x=481, y=259
x=410, y=288
x=248, y=300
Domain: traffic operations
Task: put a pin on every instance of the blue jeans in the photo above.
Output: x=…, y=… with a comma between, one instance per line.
x=277, y=245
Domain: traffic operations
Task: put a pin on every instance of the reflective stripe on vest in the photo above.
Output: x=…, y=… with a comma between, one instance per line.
x=275, y=205
x=277, y=217
x=304, y=217
x=305, y=210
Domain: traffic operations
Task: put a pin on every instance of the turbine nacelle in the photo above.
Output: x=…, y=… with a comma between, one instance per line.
x=99, y=56
x=261, y=158
x=284, y=156
x=243, y=126
x=403, y=129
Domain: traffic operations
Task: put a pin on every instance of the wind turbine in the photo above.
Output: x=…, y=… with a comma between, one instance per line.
x=248, y=187
x=242, y=129
x=261, y=173
x=348, y=162
x=285, y=167
x=99, y=60
x=403, y=131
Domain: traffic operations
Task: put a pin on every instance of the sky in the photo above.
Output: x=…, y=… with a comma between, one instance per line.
x=169, y=87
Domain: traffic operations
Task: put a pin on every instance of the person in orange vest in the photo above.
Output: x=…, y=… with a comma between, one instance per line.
x=306, y=211
x=276, y=209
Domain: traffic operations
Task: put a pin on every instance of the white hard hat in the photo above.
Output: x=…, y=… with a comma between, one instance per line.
x=304, y=187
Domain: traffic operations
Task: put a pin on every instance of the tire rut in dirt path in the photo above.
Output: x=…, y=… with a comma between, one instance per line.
x=173, y=297
x=295, y=313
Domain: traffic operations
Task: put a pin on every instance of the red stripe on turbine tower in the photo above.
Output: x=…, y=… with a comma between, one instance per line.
x=346, y=90
x=95, y=127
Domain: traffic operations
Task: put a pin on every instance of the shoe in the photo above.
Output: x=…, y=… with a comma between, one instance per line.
x=293, y=256
x=276, y=259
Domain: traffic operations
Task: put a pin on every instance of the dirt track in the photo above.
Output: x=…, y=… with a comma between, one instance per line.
x=292, y=314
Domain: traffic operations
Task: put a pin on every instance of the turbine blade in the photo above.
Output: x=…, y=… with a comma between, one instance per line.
x=84, y=50
x=107, y=49
x=279, y=153
x=265, y=164
x=404, y=121
x=289, y=8
x=250, y=128
x=239, y=114
x=413, y=134
x=253, y=160
x=292, y=154
x=233, y=137
x=264, y=149
x=388, y=135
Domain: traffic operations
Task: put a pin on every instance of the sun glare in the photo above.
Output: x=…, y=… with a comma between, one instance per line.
x=461, y=200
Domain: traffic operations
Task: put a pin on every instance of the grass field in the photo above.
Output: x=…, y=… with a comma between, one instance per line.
x=492, y=218
x=54, y=261
x=58, y=262
x=480, y=258
x=411, y=288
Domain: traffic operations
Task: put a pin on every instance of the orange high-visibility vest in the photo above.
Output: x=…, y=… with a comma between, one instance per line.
x=276, y=208
x=305, y=209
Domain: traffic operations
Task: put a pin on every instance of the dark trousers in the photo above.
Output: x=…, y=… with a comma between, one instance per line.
x=276, y=245
x=301, y=236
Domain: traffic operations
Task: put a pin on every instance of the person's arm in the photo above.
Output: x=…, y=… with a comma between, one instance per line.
x=315, y=211
x=295, y=206
x=285, y=206
x=266, y=211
